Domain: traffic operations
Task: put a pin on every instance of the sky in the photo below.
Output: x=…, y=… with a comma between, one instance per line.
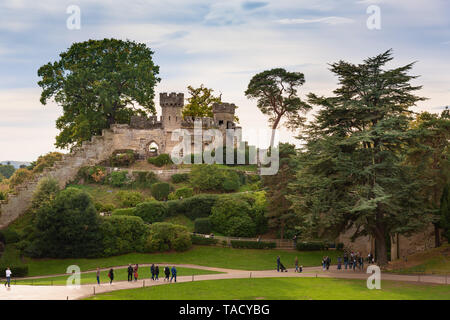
x=220, y=44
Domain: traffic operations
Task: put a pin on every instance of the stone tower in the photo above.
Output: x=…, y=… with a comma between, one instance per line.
x=224, y=115
x=171, y=105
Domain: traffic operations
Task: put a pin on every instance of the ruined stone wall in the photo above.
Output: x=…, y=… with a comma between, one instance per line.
x=403, y=246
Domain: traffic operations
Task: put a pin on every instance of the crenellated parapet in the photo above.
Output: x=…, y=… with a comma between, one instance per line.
x=172, y=99
x=224, y=107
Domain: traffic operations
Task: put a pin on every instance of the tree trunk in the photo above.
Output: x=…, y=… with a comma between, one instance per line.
x=274, y=128
x=380, y=246
x=437, y=238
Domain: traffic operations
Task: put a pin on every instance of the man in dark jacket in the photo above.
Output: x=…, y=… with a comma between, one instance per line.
x=167, y=273
x=130, y=273
x=152, y=270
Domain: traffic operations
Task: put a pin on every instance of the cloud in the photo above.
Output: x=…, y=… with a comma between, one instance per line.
x=326, y=20
x=251, y=5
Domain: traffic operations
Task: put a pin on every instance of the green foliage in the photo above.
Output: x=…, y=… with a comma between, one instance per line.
x=123, y=234
x=6, y=170
x=180, y=177
x=212, y=178
x=129, y=198
x=19, y=176
x=151, y=211
x=200, y=102
x=144, y=179
x=67, y=228
x=94, y=174
x=98, y=82
x=181, y=193
x=198, y=206
x=160, y=190
x=160, y=160
x=166, y=236
x=118, y=178
x=310, y=245
x=11, y=258
x=46, y=161
x=445, y=212
x=253, y=244
x=202, y=241
x=3, y=195
x=241, y=226
x=9, y=236
x=230, y=216
x=46, y=192
x=122, y=158
x=202, y=225
x=124, y=212
x=104, y=207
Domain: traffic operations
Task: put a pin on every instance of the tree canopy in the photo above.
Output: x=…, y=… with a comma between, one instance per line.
x=98, y=83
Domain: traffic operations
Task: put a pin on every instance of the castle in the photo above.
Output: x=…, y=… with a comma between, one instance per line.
x=152, y=136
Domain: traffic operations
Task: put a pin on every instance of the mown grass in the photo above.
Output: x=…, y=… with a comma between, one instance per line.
x=243, y=259
x=119, y=275
x=281, y=289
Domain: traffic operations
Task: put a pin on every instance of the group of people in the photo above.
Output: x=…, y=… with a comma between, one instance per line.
x=133, y=273
x=326, y=262
x=354, y=260
x=282, y=268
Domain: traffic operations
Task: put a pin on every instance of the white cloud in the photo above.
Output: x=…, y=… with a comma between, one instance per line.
x=326, y=20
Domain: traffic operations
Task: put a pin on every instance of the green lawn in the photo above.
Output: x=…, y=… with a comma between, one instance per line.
x=244, y=259
x=281, y=289
x=119, y=275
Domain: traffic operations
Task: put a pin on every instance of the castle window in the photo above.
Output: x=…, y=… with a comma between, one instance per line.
x=220, y=122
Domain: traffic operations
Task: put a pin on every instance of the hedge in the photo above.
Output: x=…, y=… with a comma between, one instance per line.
x=151, y=211
x=124, y=212
x=166, y=236
x=310, y=246
x=199, y=240
x=9, y=236
x=202, y=225
x=180, y=177
x=160, y=190
x=11, y=259
x=241, y=244
x=161, y=160
x=129, y=198
x=118, y=178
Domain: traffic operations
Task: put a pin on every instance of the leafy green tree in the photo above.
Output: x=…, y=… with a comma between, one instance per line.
x=98, y=83
x=276, y=93
x=45, y=193
x=200, y=102
x=166, y=236
x=151, y=211
x=68, y=227
x=431, y=156
x=353, y=171
x=6, y=170
x=160, y=190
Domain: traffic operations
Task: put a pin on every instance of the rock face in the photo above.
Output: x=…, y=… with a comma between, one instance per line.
x=141, y=136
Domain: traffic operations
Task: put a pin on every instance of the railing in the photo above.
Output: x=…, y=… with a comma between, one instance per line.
x=280, y=243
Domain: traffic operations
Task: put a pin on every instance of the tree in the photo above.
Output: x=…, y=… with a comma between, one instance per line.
x=354, y=173
x=98, y=83
x=279, y=212
x=7, y=170
x=68, y=227
x=200, y=103
x=276, y=93
x=46, y=191
x=431, y=156
x=445, y=211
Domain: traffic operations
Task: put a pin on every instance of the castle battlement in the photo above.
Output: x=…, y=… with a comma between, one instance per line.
x=172, y=99
x=223, y=107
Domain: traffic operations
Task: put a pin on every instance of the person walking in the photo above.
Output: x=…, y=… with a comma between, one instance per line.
x=8, y=274
x=354, y=263
x=152, y=270
x=136, y=272
x=98, y=275
x=111, y=275
x=130, y=273
x=166, y=273
x=156, y=273
x=174, y=274
x=296, y=264
x=278, y=263
x=328, y=263
x=345, y=260
x=339, y=260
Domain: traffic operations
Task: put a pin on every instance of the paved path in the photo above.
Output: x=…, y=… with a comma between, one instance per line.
x=26, y=292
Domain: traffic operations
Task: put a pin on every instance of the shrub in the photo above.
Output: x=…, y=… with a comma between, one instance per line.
x=231, y=184
x=161, y=160
x=9, y=236
x=253, y=244
x=3, y=195
x=124, y=212
x=144, y=179
x=7, y=170
x=199, y=240
x=95, y=174
x=11, y=258
x=181, y=193
x=118, y=178
x=151, y=211
x=167, y=236
x=46, y=161
x=19, y=177
x=104, y=207
x=45, y=192
x=202, y=225
x=310, y=245
x=223, y=212
x=160, y=191
x=207, y=177
x=179, y=177
x=129, y=198
x=123, y=234
x=122, y=158
x=68, y=227
x=198, y=206
x=252, y=178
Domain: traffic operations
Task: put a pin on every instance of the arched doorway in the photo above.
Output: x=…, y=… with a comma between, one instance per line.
x=153, y=149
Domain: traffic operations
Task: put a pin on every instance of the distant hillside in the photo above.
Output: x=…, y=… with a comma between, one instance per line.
x=16, y=164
